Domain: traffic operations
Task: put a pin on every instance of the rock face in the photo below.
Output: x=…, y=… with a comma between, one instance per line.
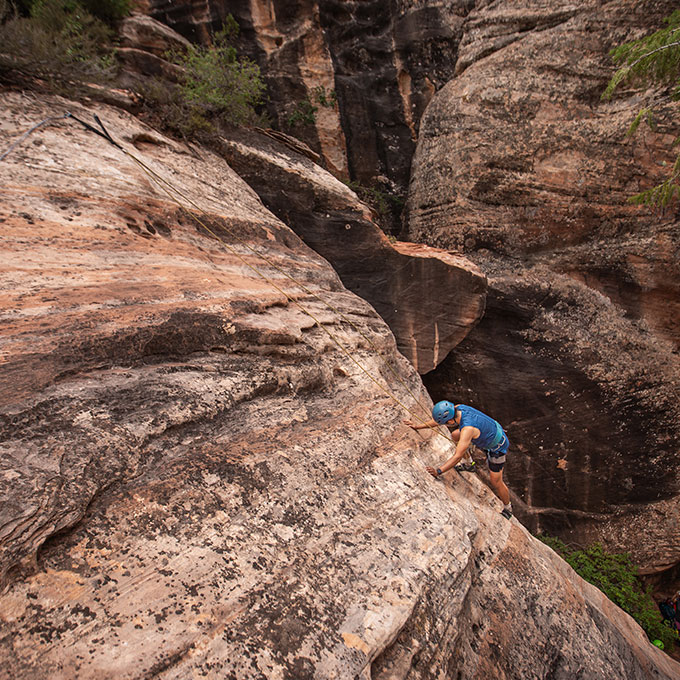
x=369, y=69
x=200, y=479
x=524, y=159
x=143, y=47
x=521, y=167
x=429, y=298
x=591, y=408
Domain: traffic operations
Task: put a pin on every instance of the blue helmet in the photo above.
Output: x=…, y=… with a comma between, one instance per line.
x=443, y=411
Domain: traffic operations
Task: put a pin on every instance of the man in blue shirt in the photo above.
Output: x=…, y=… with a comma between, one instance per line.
x=470, y=426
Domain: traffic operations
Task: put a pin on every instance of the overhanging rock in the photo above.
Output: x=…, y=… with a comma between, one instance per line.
x=430, y=298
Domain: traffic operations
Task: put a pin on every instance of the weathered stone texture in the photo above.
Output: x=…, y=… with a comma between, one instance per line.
x=591, y=407
x=197, y=481
x=429, y=298
x=142, y=32
x=518, y=155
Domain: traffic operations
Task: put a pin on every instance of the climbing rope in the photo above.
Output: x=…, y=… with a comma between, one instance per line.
x=173, y=193
x=28, y=132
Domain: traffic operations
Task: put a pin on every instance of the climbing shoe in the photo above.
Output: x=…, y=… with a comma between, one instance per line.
x=466, y=467
x=506, y=513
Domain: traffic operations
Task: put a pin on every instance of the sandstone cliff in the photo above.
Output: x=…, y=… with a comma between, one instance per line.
x=430, y=298
x=521, y=167
x=197, y=480
x=382, y=62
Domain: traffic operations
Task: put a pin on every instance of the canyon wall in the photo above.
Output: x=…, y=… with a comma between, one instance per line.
x=523, y=168
x=203, y=471
x=369, y=69
x=412, y=287
x=520, y=157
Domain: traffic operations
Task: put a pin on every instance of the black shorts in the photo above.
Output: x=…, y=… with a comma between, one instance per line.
x=494, y=467
x=495, y=459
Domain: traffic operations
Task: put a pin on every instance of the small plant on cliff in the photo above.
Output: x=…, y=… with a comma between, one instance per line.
x=616, y=576
x=386, y=204
x=218, y=85
x=327, y=98
x=304, y=113
x=652, y=60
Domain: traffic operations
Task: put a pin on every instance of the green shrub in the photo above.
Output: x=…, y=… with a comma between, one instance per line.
x=304, y=113
x=169, y=110
x=218, y=85
x=616, y=576
x=60, y=39
x=327, y=98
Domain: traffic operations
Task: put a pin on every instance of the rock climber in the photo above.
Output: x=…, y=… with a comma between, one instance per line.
x=470, y=426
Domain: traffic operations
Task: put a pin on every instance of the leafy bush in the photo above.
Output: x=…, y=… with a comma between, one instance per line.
x=327, y=98
x=616, y=576
x=169, y=110
x=217, y=84
x=304, y=113
x=59, y=39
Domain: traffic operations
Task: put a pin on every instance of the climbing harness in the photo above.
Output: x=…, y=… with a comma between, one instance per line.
x=173, y=193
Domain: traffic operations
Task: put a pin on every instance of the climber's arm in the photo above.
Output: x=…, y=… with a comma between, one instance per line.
x=467, y=434
x=420, y=426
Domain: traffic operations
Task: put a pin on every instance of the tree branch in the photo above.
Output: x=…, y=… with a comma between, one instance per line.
x=649, y=54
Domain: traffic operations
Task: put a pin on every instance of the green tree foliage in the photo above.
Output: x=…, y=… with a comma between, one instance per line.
x=327, y=98
x=616, y=576
x=304, y=113
x=218, y=85
x=59, y=40
x=654, y=59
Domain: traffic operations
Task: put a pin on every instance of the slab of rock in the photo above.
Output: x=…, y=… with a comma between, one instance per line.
x=524, y=169
x=430, y=298
x=142, y=32
x=198, y=481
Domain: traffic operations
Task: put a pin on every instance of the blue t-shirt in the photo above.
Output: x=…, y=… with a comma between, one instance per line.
x=490, y=430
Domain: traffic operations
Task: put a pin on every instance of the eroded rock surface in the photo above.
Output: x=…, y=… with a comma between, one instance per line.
x=591, y=408
x=519, y=156
x=368, y=68
x=430, y=298
x=198, y=481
